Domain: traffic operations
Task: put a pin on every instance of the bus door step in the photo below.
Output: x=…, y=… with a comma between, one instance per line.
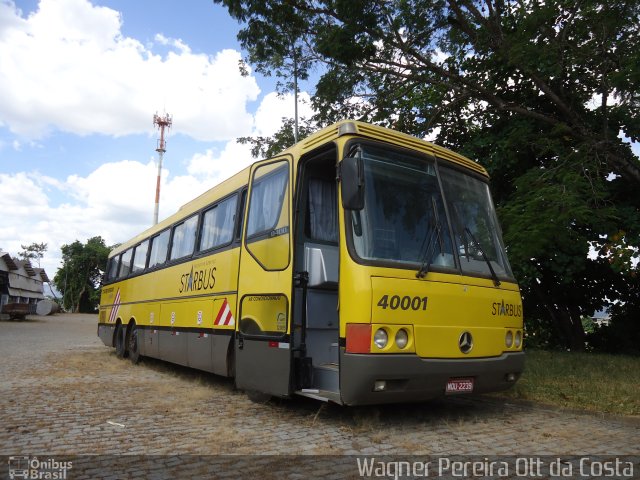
x=326, y=377
x=322, y=395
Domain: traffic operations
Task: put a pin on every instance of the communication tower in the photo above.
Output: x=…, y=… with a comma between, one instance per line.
x=162, y=122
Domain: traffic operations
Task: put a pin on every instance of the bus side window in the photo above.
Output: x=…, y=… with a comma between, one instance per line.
x=140, y=257
x=125, y=268
x=217, y=224
x=268, y=220
x=184, y=238
x=159, y=247
x=114, y=263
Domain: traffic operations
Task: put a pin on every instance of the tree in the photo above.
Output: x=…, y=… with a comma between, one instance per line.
x=79, y=277
x=267, y=147
x=34, y=251
x=542, y=93
x=281, y=52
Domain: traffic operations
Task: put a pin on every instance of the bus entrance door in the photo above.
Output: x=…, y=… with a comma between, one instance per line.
x=263, y=348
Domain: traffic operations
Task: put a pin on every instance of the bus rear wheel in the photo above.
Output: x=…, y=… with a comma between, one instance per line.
x=134, y=348
x=121, y=350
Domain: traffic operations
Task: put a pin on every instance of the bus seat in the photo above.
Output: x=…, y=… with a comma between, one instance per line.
x=321, y=262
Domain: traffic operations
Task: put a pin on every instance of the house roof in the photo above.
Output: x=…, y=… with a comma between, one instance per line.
x=8, y=260
x=15, y=266
x=43, y=275
x=26, y=264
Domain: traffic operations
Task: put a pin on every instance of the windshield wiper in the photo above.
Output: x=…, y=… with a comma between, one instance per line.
x=496, y=282
x=432, y=235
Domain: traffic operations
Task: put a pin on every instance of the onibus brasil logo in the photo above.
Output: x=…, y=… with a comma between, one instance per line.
x=34, y=468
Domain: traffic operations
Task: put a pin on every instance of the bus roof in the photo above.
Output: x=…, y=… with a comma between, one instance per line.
x=367, y=130
x=323, y=136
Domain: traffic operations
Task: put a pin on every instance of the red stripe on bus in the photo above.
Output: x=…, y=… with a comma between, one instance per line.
x=224, y=304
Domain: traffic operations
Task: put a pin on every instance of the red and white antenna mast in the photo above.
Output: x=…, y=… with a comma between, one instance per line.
x=162, y=122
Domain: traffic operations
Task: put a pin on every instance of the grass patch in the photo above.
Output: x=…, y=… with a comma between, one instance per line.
x=586, y=381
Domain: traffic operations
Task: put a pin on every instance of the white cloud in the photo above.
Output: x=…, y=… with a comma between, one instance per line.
x=217, y=166
x=116, y=200
x=432, y=136
x=68, y=66
x=173, y=42
x=596, y=101
x=21, y=194
x=274, y=107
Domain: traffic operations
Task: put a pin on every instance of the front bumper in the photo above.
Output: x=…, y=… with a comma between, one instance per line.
x=410, y=378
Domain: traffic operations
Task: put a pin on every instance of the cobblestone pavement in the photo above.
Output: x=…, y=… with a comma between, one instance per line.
x=64, y=393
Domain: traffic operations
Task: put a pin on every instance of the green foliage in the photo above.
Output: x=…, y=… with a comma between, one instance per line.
x=79, y=277
x=538, y=92
x=622, y=335
x=267, y=147
x=34, y=251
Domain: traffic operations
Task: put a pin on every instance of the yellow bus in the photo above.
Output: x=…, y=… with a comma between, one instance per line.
x=359, y=266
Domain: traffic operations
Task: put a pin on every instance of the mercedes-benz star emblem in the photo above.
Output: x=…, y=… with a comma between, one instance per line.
x=465, y=342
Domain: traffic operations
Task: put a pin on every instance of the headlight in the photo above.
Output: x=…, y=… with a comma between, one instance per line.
x=518, y=341
x=380, y=338
x=402, y=338
x=508, y=339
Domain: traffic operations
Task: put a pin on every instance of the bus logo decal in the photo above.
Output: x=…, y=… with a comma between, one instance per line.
x=197, y=280
x=224, y=315
x=115, y=307
x=465, y=342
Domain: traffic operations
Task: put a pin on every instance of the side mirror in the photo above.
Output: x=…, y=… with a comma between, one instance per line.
x=352, y=183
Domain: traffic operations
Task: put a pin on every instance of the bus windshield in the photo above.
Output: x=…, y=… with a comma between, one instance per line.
x=404, y=220
x=474, y=223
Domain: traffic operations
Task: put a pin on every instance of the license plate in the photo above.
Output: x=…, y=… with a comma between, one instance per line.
x=459, y=385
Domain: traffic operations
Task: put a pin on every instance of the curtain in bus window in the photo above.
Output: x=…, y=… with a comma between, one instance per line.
x=184, y=238
x=113, y=268
x=140, y=257
x=217, y=224
x=266, y=202
x=159, y=246
x=126, y=263
x=323, y=220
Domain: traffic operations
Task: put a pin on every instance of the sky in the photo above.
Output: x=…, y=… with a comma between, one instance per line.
x=80, y=81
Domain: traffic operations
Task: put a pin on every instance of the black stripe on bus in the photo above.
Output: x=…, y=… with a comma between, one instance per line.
x=212, y=331
x=189, y=297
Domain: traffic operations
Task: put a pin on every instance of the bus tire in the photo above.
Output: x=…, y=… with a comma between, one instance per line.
x=134, y=346
x=120, y=343
x=258, y=397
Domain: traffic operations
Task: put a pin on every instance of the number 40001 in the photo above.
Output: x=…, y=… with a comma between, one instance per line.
x=403, y=303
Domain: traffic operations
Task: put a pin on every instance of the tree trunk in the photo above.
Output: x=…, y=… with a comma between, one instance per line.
x=569, y=323
x=572, y=325
x=76, y=307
